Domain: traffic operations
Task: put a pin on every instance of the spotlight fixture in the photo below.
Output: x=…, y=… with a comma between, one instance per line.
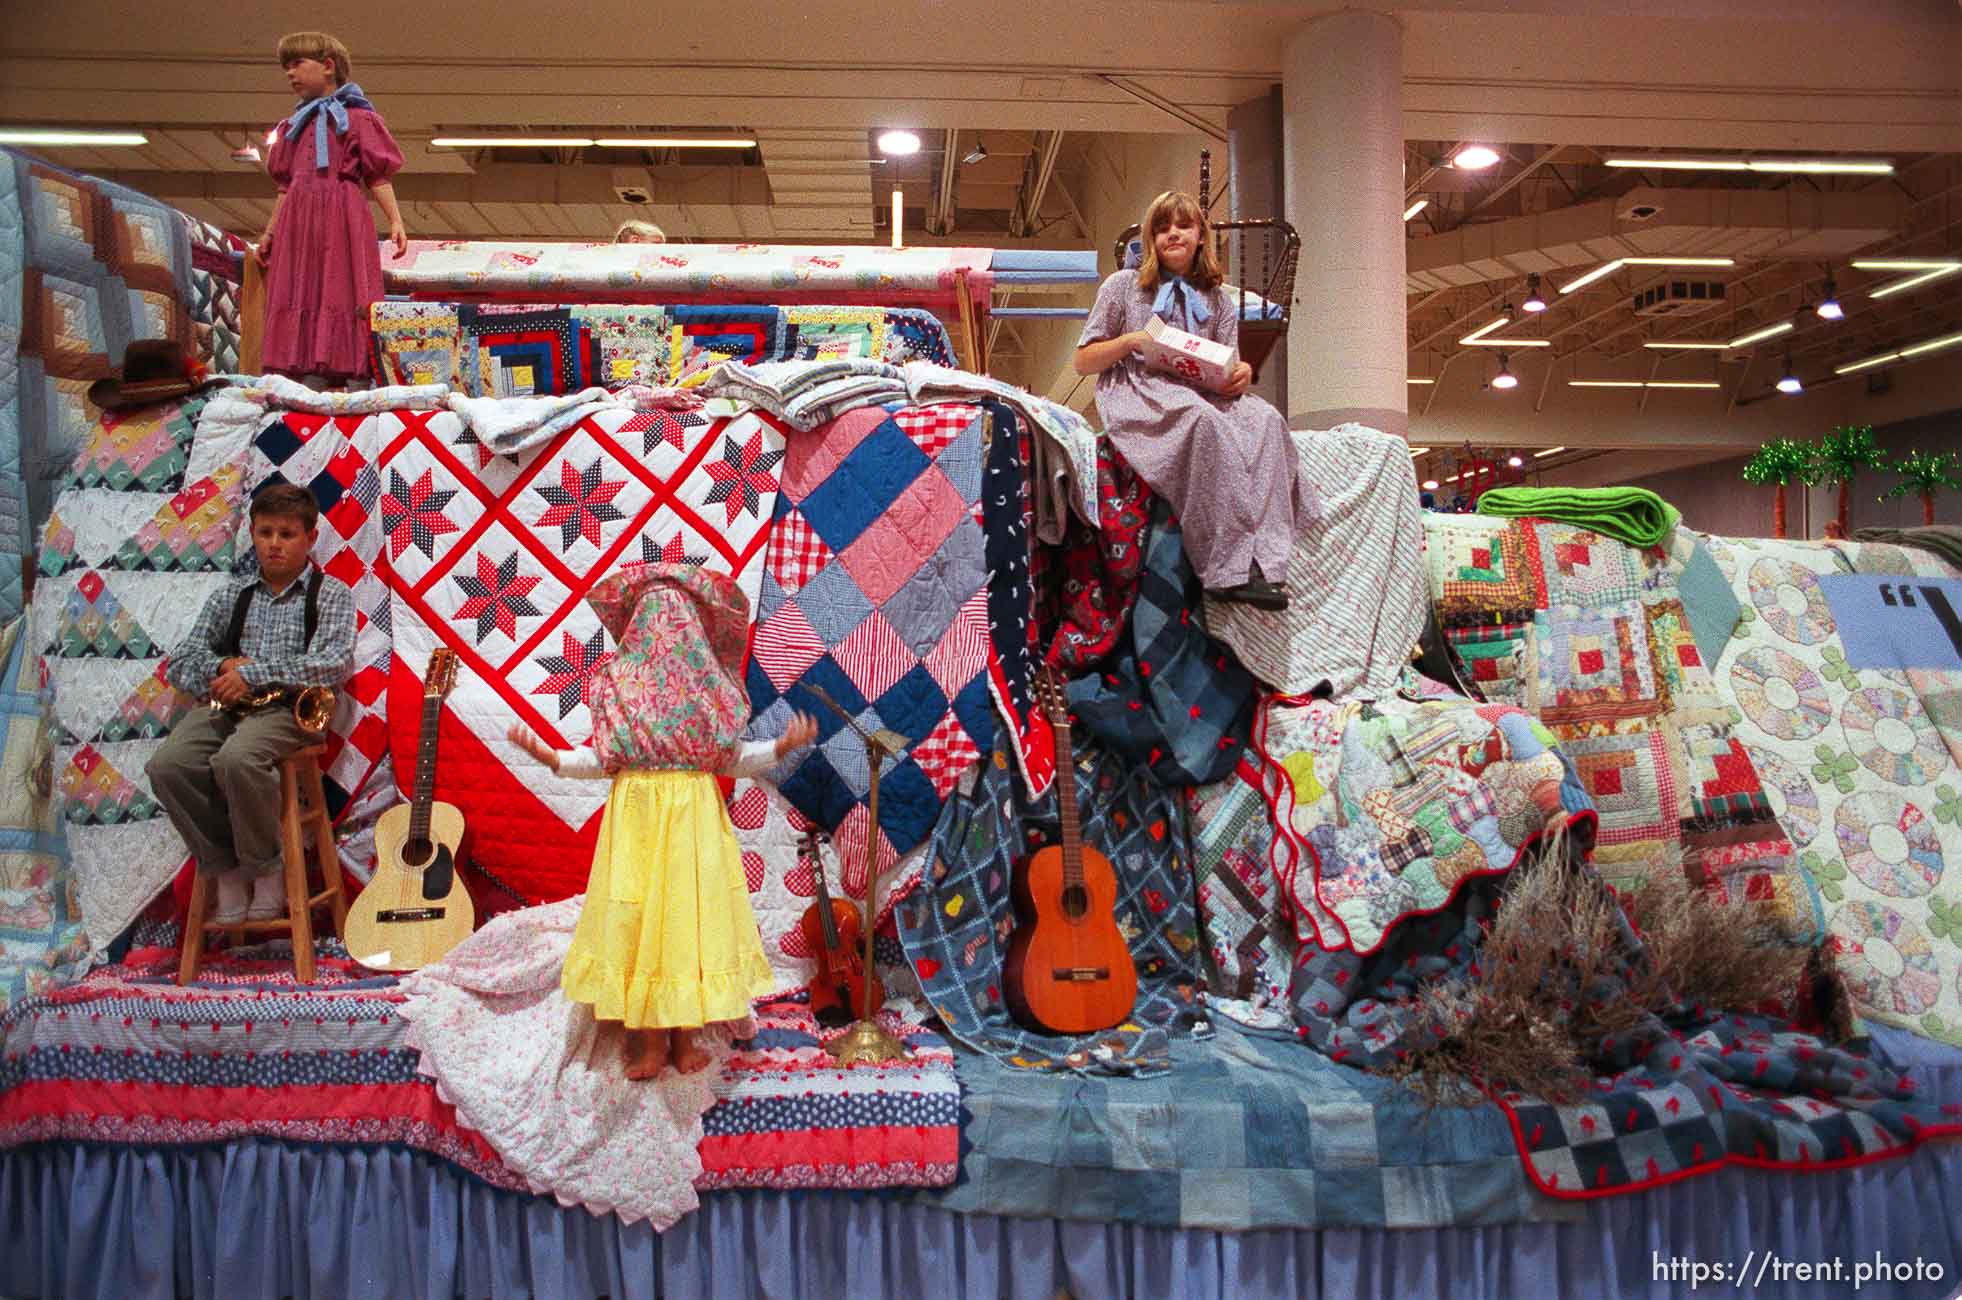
x=897, y=143
x=1475, y=157
x=1514, y=461
x=1829, y=308
x=1533, y=300
x=1505, y=378
x=1790, y=383
x=247, y=152
x=1430, y=485
x=977, y=153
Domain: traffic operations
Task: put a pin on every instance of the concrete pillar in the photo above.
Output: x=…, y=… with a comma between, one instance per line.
x=1253, y=141
x=1342, y=129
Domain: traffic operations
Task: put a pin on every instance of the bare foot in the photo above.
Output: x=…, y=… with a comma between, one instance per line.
x=647, y=1053
x=689, y=1053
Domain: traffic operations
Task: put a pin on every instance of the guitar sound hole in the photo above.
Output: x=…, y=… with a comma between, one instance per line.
x=416, y=852
x=1076, y=902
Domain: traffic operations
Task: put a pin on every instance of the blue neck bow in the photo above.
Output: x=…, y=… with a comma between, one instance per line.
x=327, y=108
x=1172, y=290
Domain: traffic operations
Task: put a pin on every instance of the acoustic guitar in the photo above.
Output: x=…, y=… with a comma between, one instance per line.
x=415, y=909
x=1068, y=969
x=831, y=929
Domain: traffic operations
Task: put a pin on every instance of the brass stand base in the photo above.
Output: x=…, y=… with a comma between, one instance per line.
x=865, y=1041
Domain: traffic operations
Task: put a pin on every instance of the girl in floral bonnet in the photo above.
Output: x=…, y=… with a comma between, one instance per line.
x=666, y=943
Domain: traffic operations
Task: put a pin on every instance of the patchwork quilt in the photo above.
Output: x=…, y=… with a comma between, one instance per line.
x=513, y=350
x=126, y=1056
x=956, y=925
x=1861, y=767
x=42, y=943
x=876, y=593
x=87, y=266
x=492, y=556
x=1592, y=636
x=728, y=272
x=144, y=529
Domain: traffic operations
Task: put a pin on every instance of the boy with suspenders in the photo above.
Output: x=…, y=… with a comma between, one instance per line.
x=218, y=773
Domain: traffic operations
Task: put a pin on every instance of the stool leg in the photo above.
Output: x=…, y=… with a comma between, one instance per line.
x=299, y=916
x=329, y=855
x=191, y=951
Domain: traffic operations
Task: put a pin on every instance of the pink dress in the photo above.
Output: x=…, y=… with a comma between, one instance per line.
x=325, y=268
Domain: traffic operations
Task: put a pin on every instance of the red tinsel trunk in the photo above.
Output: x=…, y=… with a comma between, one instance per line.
x=1927, y=509
x=1778, y=513
x=1845, y=499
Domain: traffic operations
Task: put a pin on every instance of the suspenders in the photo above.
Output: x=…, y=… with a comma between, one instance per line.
x=311, y=616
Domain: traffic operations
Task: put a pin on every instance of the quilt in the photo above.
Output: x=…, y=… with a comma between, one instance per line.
x=42, y=943
x=1355, y=581
x=144, y=529
x=1860, y=767
x=491, y=556
x=515, y=350
x=125, y=1056
x=87, y=266
x=1592, y=636
x=875, y=591
x=956, y=925
x=1386, y=810
x=1246, y=923
x=592, y=272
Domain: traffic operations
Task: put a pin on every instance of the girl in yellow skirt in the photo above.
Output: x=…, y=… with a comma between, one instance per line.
x=666, y=943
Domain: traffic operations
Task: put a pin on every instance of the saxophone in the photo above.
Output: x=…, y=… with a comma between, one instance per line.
x=313, y=706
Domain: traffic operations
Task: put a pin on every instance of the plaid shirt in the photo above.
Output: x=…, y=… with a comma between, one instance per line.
x=274, y=638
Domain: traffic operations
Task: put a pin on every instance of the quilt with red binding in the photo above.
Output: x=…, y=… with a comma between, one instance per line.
x=492, y=556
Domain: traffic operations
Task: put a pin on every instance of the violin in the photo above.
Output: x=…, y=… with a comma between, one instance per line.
x=832, y=929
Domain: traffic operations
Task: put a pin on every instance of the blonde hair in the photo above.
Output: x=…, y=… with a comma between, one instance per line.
x=1171, y=207
x=639, y=232
x=319, y=46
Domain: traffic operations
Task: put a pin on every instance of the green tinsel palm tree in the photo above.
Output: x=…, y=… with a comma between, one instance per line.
x=1923, y=474
x=1843, y=453
x=1775, y=464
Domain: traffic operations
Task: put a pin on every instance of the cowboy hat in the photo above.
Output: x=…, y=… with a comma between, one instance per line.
x=154, y=370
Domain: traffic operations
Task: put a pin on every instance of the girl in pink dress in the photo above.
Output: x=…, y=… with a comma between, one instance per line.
x=323, y=266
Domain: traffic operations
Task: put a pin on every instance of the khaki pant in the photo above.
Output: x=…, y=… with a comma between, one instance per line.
x=219, y=781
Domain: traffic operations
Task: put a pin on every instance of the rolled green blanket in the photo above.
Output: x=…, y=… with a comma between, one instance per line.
x=1633, y=515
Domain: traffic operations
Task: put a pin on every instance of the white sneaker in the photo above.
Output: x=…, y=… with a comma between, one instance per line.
x=230, y=908
x=268, y=897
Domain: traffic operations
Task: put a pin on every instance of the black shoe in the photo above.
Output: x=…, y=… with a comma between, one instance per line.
x=1259, y=593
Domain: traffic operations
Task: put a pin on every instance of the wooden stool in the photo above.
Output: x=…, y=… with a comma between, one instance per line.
x=303, y=819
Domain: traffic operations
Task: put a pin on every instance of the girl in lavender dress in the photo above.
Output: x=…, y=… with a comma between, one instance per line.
x=323, y=266
x=1225, y=460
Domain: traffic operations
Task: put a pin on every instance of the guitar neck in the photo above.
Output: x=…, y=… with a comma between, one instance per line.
x=1066, y=804
x=425, y=788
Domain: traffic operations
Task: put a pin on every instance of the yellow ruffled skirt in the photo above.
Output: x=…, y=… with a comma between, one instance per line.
x=667, y=938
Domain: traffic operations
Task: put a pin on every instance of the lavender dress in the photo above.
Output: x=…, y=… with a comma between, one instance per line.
x=325, y=268
x=1227, y=464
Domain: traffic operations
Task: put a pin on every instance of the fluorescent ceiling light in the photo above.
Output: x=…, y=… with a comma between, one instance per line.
x=898, y=142
x=1639, y=383
x=1415, y=208
x=1475, y=157
x=1420, y=451
x=1548, y=452
x=1420, y=381
x=1903, y=354
x=677, y=142
x=1477, y=338
x=1609, y=268
x=1670, y=345
x=1915, y=281
x=1902, y=264
x=1606, y=268
x=1758, y=336
x=55, y=136
x=512, y=142
x=1813, y=166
